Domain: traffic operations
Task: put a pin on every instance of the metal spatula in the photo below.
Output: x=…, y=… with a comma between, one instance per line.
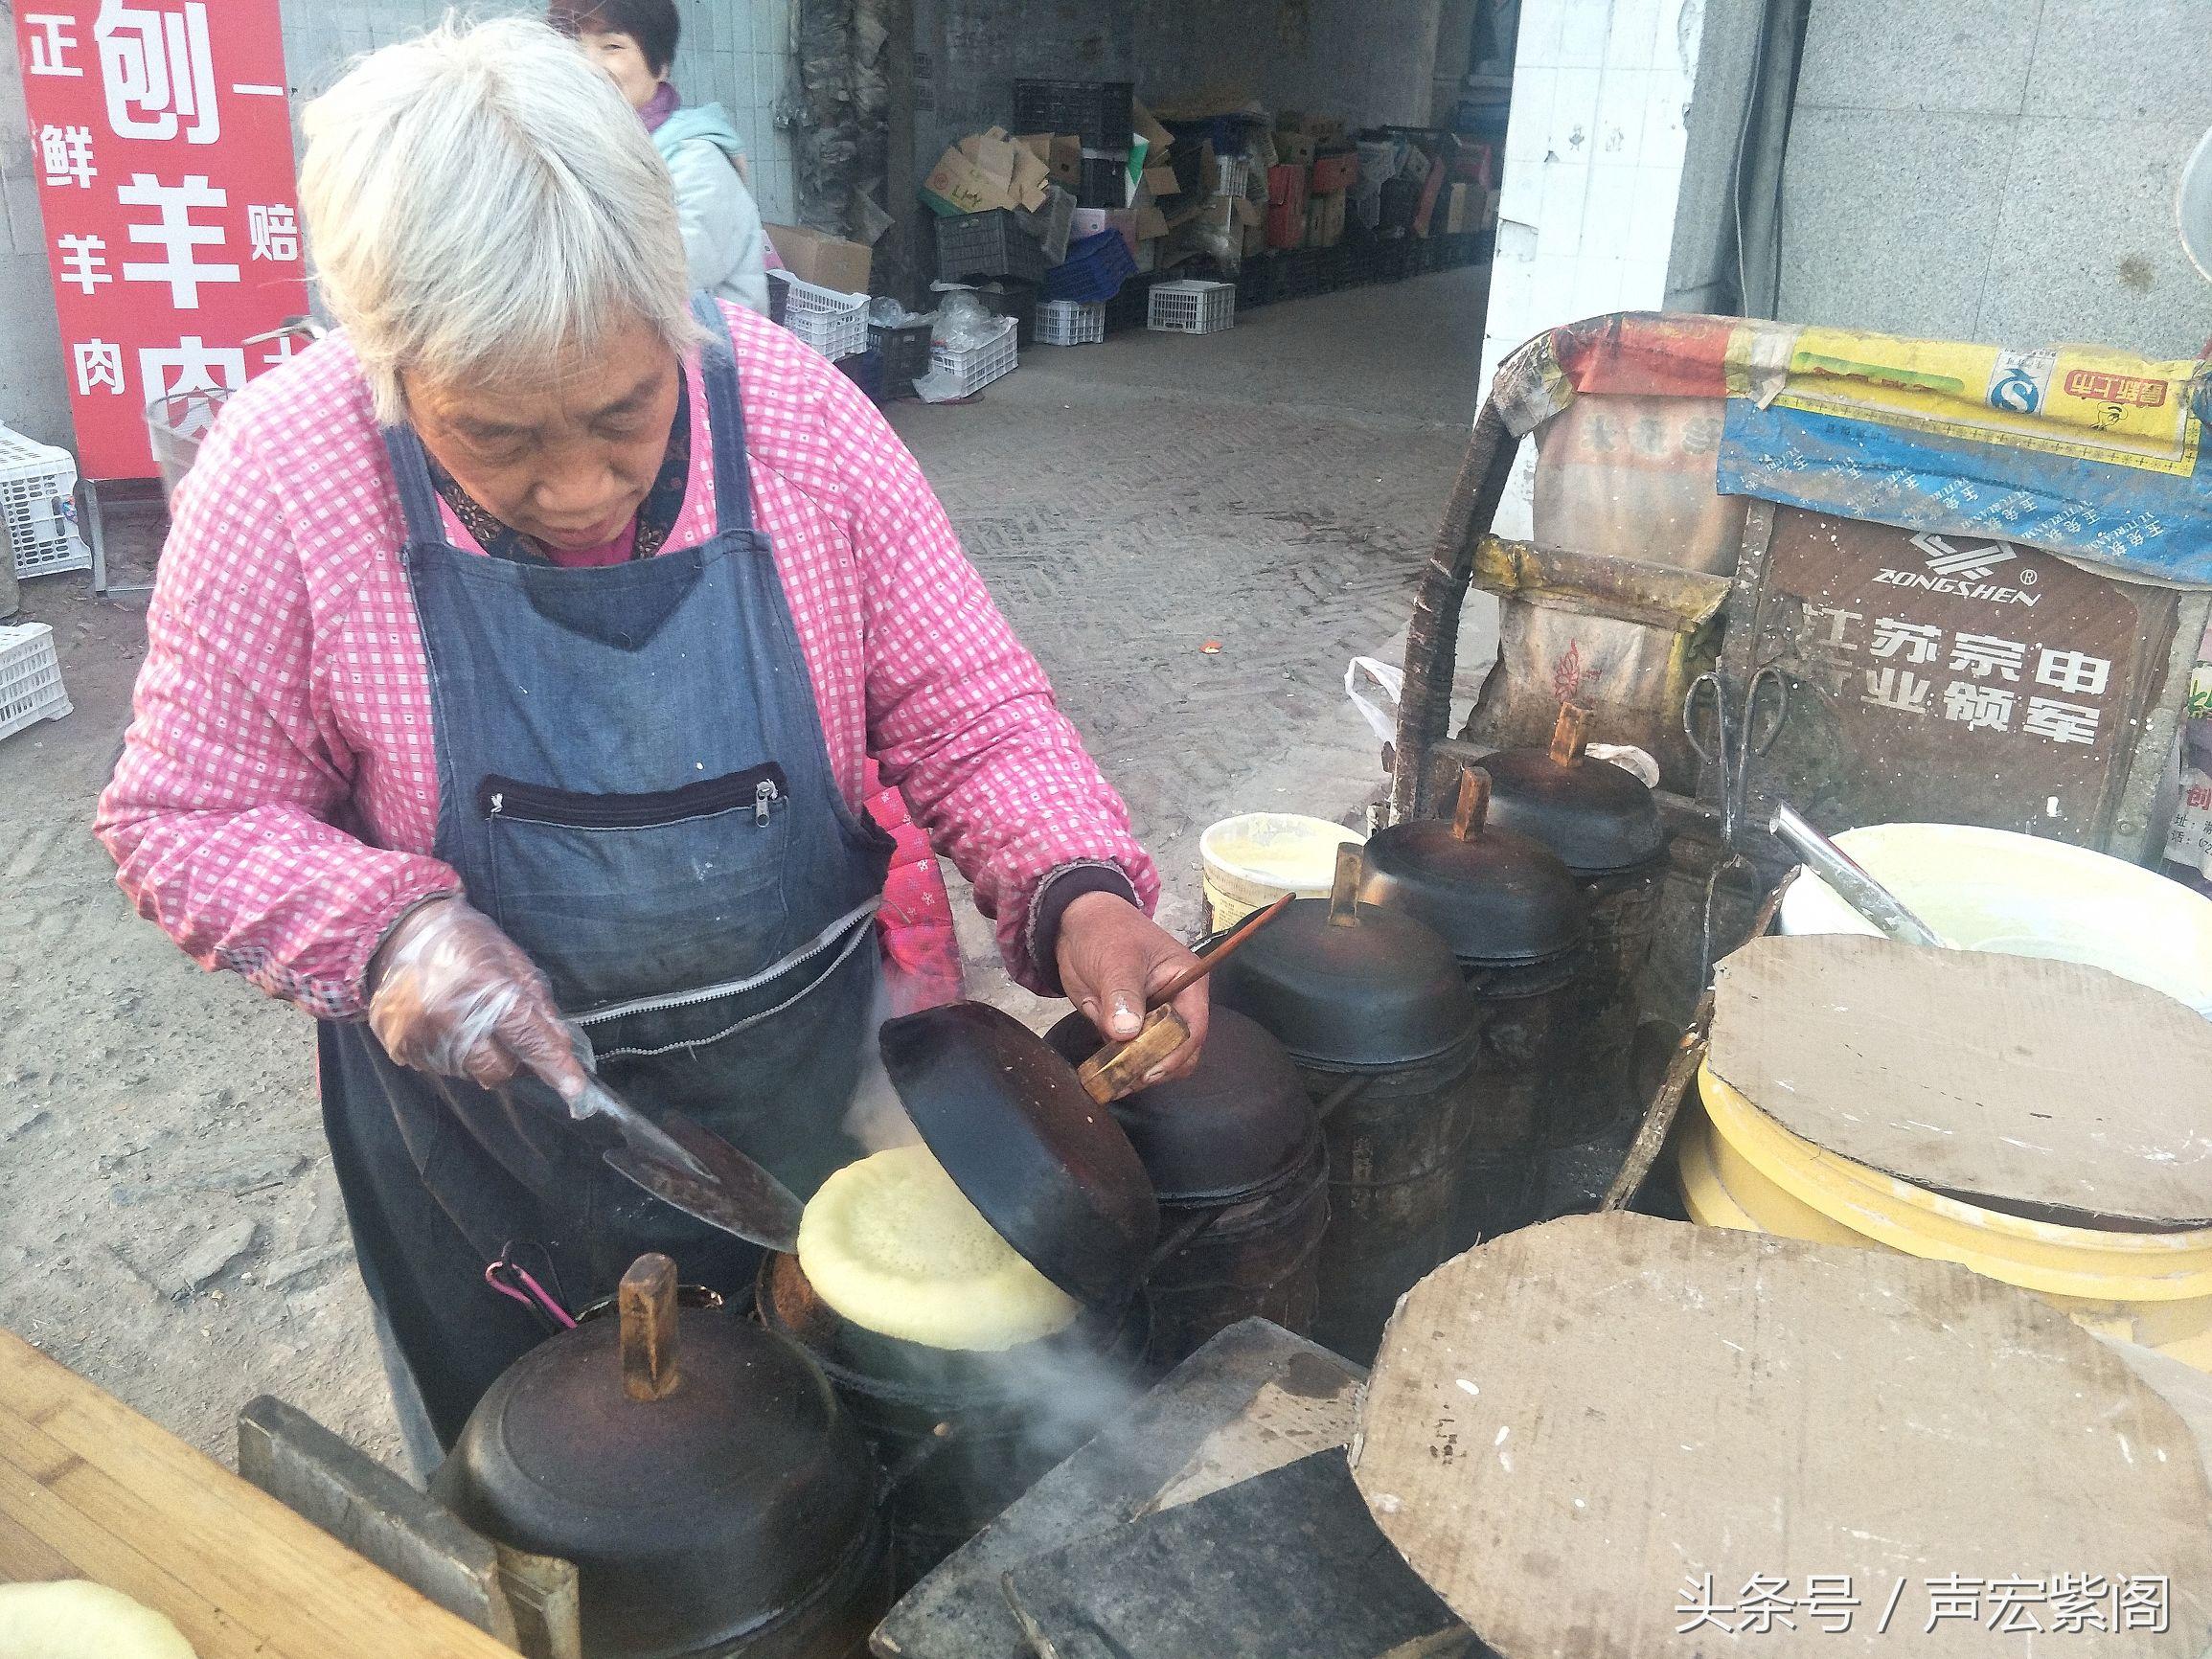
x=689, y=1168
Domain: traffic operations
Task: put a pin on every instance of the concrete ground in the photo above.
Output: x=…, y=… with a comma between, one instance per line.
x=168, y=1224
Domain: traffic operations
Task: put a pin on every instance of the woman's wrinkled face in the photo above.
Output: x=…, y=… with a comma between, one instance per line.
x=564, y=453
x=624, y=61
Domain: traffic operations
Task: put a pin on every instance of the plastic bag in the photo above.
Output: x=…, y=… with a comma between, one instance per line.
x=963, y=321
x=886, y=312
x=1391, y=678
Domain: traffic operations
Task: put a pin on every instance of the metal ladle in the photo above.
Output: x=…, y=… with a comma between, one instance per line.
x=1851, y=882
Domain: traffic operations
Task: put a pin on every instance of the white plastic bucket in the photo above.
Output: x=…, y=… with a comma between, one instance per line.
x=1994, y=889
x=1253, y=859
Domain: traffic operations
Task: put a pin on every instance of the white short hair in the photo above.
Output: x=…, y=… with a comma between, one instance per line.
x=481, y=199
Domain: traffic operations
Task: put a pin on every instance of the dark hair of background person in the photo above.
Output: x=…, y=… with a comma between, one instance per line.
x=652, y=23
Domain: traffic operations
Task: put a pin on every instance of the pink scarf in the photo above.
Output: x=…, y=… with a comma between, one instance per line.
x=663, y=104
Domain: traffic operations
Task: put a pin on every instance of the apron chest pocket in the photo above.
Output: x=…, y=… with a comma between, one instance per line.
x=641, y=891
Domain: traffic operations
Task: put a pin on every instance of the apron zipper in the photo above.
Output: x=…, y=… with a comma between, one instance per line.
x=514, y=801
x=847, y=924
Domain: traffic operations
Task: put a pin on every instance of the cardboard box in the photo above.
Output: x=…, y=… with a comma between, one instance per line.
x=827, y=262
x=1160, y=180
x=1295, y=148
x=1455, y=210
x=1255, y=240
x=1150, y=129
x=1152, y=224
x=1286, y=226
x=1325, y=220
x=1334, y=174
x=1061, y=152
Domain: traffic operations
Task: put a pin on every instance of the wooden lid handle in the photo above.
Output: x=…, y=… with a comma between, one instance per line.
x=1570, y=734
x=647, y=1303
x=1121, y=1068
x=1473, y=808
x=1344, y=895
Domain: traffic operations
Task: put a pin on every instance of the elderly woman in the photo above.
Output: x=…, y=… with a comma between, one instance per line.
x=515, y=658
x=635, y=42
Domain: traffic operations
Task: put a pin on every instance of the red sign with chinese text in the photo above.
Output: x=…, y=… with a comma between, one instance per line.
x=162, y=139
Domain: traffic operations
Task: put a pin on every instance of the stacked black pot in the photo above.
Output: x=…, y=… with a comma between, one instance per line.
x=1380, y=1024
x=1604, y=824
x=1516, y=920
x=1236, y=1155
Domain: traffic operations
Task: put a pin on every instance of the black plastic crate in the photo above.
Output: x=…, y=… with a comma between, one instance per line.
x=1132, y=304
x=1331, y=267
x=1015, y=300
x=1394, y=260
x=987, y=244
x=1400, y=203
x=865, y=370
x=1105, y=180
x=1298, y=275
x=905, y=351
x=1100, y=112
x=1259, y=281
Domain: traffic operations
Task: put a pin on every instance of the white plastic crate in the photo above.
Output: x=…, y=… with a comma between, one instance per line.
x=1070, y=323
x=835, y=325
x=974, y=367
x=30, y=677
x=37, y=502
x=1192, y=308
x=1232, y=175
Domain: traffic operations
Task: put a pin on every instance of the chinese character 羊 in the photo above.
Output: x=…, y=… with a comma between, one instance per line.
x=85, y=261
x=65, y=155
x=176, y=234
x=158, y=71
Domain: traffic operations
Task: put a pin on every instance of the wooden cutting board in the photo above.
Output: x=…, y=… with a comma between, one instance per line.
x=90, y=1489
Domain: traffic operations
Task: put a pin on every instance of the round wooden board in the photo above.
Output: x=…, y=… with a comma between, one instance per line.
x=1568, y=1430
x=2051, y=1088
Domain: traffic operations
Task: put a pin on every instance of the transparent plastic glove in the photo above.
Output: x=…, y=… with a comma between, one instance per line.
x=450, y=994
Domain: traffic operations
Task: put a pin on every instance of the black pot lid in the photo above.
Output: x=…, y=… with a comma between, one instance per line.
x=1601, y=819
x=1049, y=1167
x=1345, y=985
x=690, y=1517
x=1237, y=1122
x=1500, y=900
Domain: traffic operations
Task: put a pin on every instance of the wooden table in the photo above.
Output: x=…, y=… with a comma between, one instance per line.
x=90, y=1489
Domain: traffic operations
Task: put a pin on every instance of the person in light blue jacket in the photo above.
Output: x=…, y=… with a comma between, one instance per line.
x=635, y=42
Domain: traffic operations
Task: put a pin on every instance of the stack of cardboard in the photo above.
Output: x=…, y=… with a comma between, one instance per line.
x=1314, y=169
x=987, y=170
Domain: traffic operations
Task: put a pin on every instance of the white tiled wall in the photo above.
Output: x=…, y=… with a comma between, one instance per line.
x=1593, y=162
x=735, y=53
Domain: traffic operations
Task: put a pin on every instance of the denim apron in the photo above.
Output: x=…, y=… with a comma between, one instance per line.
x=634, y=782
